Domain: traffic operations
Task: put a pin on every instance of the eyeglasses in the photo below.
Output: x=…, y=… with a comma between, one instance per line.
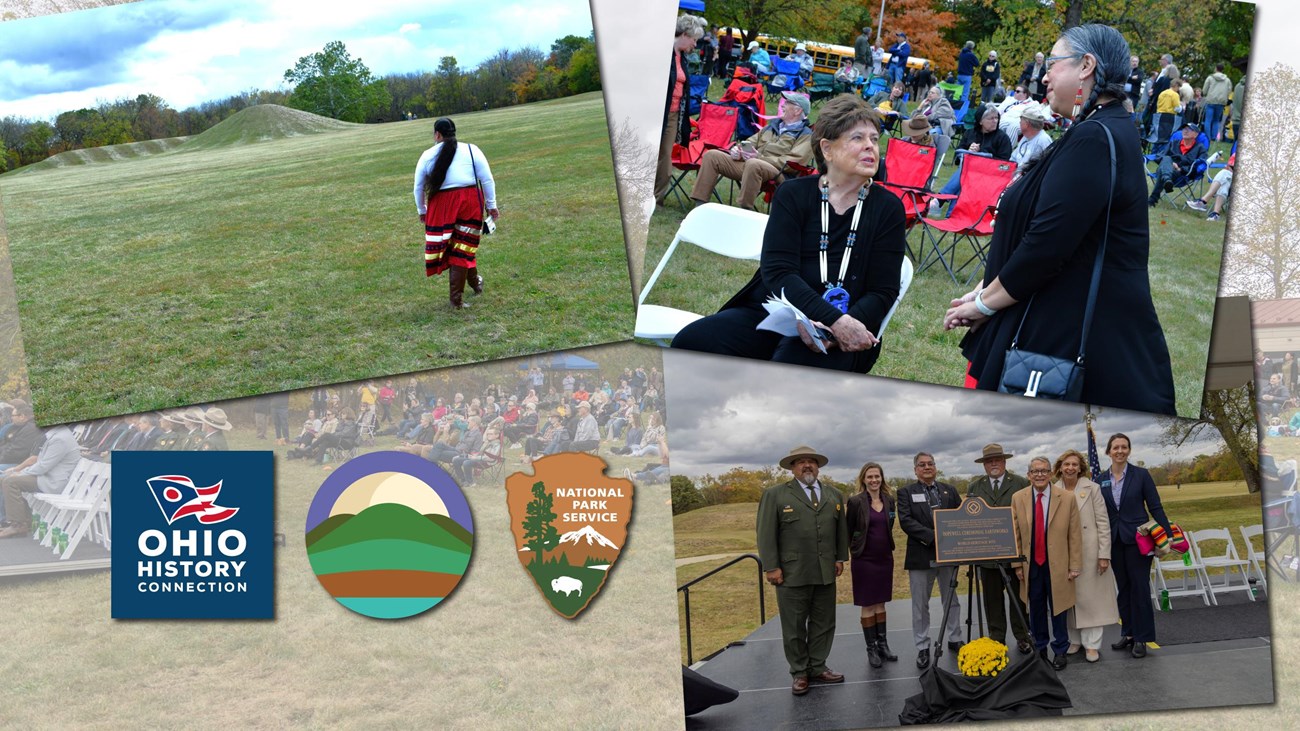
x=1040, y=471
x=924, y=464
x=1051, y=60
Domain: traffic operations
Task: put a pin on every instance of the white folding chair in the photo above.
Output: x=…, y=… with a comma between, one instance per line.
x=45, y=504
x=1229, y=561
x=725, y=230
x=1195, y=582
x=904, y=281
x=1257, y=559
x=75, y=516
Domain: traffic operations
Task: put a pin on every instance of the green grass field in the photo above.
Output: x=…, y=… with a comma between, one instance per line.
x=1186, y=252
x=724, y=608
x=226, y=266
x=493, y=652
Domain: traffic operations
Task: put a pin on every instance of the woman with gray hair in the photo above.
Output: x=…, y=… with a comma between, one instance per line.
x=1085, y=198
x=677, y=119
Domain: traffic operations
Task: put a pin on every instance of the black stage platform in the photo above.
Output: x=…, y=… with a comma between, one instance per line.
x=26, y=557
x=1218, y=673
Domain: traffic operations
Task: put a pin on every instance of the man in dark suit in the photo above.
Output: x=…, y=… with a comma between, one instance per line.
x=803, y=542
x=916, y=505
x=995, y=487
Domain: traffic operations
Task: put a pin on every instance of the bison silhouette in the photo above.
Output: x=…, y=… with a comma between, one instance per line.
x=566, y=585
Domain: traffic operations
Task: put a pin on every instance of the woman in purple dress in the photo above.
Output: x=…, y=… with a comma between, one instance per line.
x=870, y=516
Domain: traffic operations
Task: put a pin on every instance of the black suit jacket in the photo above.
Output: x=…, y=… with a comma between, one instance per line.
x=917, y=521
x=858, y=510
x=1139, y=497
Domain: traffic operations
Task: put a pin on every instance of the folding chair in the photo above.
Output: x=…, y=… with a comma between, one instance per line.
x=698, y=92
x=823, y=87
x=785, y=77
x=1257, y=559
x=73, y=515
x=1193, y=571
x=952, y=91
x=904, y=281
x=494, y=453
x=714, y=129
x=1186, y=185
x=792, y=170
x=1228, y=560
x=366, y=424
x=731, y=232
x=982, y=181
x=912, y=169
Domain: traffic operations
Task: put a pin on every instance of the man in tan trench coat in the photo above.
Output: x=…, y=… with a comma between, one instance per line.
x=1048, y=527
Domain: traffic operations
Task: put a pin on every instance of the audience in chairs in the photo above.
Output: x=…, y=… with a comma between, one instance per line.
x=760, y=158
x=47, y=471
x=1177, y=162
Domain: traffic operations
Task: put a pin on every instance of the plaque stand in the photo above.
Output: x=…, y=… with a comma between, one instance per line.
x=973, y=589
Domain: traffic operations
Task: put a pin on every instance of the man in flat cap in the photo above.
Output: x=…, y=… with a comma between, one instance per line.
x=803, y=543
x=995, y=487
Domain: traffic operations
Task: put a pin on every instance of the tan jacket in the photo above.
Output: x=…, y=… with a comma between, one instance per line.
x=781, y=149
x=1064, y=542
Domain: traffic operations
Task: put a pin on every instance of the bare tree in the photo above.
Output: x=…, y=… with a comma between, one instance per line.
x=1230, y=412
x=1263, y=253
x=634, y=166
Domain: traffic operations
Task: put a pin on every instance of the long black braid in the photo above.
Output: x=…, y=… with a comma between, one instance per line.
x=447, y=128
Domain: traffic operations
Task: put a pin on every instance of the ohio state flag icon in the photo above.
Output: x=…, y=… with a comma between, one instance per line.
x=178, y=497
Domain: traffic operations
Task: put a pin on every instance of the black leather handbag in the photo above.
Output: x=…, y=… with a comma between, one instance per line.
x=1046, y=376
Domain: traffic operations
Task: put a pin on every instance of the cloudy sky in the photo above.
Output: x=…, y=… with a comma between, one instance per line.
x=191, y=51
x=727, y=412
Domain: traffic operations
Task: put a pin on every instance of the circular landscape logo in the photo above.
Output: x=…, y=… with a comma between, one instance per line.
x=389, y=535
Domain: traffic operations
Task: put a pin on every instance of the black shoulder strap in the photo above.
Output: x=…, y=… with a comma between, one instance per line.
x=1096, y=266
x=482, y=201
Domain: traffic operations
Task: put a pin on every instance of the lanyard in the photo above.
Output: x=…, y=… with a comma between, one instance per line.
x=825, y=241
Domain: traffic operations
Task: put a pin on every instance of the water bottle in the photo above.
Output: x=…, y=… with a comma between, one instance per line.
x=1254, y=587
x=63, y=542
x=1164, y=600
x=1187, y=558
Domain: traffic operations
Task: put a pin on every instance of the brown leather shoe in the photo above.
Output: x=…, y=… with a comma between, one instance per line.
x=475, y=281
x=830, y=676
x=799, y=686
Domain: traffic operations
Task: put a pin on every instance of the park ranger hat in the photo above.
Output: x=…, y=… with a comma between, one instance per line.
x=215, y=418
x=993, y=451
x=799, y=453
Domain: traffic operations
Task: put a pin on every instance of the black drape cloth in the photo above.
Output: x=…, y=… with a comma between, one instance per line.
x=1027, y=689
x=701, y=693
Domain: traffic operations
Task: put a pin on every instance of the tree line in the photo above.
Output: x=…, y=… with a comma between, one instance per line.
x=329, y=83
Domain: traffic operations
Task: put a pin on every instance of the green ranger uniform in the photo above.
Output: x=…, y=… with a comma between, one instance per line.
x=805, y=542
x=992, y=588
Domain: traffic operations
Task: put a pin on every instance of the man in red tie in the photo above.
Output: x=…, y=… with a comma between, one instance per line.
x=1049, y=532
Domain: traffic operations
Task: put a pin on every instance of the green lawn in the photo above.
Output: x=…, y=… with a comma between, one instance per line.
x=493, y=652
x=1186, y=252
x=724, y=607
x=213, y=271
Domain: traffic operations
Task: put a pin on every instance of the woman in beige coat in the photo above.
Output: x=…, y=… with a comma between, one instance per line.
x=1094, y=590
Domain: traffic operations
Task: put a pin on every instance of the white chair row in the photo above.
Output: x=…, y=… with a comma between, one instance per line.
x=62, y=520
x=731, y=232
x=1196, y=579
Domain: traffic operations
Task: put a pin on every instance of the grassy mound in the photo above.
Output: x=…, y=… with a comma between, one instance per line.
x=263, y=123
x=107, y=153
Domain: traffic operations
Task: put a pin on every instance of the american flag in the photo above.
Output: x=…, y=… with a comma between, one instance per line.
x=1093, y=464
x=178, y=497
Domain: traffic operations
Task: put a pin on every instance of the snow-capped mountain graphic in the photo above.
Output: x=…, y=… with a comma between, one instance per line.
x=589, y=536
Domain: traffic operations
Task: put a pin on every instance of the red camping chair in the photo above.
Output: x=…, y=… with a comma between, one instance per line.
x=713, y=130
x=792, y=170
x=982, y=181
x=745, y=90
x=912, y=169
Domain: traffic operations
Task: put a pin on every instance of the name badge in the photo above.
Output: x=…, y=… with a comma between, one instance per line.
x=787, y=509
x=918, y=498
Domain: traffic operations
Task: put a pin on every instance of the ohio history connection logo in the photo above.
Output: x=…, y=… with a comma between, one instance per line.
x=193, y=535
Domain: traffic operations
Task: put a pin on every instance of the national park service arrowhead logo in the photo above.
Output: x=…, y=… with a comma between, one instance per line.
x=570, y=522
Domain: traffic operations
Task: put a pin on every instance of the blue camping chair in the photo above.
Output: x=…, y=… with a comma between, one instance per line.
x=699, y=89
x=1186, y=184
x=785, y=77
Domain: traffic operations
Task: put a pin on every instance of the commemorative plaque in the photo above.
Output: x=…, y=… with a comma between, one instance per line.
x=974, y=532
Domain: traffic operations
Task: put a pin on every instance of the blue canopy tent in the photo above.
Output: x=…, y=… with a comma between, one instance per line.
x=695, y=5
x=560, y=362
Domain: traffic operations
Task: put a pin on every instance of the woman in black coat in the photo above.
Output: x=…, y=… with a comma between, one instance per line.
x=870, y=515
x=677, y=121
x=859, y=271
x=1051, y=223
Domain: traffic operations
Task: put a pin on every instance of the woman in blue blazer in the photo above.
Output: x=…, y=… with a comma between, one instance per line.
x=1130, y=493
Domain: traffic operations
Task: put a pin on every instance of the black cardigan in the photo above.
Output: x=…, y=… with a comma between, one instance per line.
x=684, y=119
x=1050, y=226
x=789, y=259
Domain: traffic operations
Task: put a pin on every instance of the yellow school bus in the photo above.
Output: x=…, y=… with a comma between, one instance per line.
x=827, y=57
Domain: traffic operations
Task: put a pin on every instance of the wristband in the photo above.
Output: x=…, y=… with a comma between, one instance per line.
x=984, y=309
